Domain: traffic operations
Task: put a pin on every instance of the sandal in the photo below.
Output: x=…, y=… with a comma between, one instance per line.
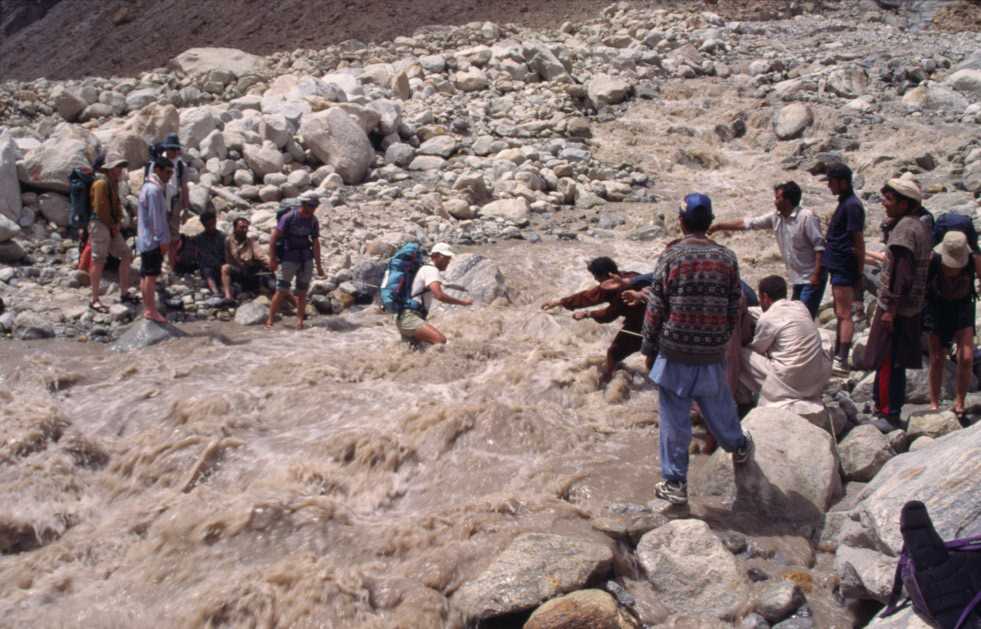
x=129, y=299
x=961, y=416
x=95, y=306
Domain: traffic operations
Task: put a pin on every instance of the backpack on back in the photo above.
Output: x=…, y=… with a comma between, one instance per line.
x=281, y=243
x=936, y=261
x=396, y=291
x=955, y=221
x=942, y=579
x=79, y=188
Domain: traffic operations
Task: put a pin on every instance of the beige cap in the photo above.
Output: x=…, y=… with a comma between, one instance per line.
x=907, y=187
x=114, y=162
x=953, y=249
x=442, y=249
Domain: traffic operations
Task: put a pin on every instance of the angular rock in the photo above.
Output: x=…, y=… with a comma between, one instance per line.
x=779, y=600
x=336, y=139
x=604, y=90
x=480, y=277
x=864, y=573
x=533, y=569
x=775, y=481
x=932, y=96
x=8, y=228
x=692, y=571
x=442, y=145
x=848, y=82
x=67, y=103
x=792, y=120
x=138, y=99
x=932, y=424
x=399, y=154
x=49, y=165
x=427, y=162
x=198, y=61
x=967, y=82
x=213, y=146
x=10, y=199
x=514, y=210
x=11, y=252
x=472, y=80
x=585, y=609
x=29, y=326
x=475, y=187
x=906, y=619
x=196, y=124
x=863, y=453
x=145, y=333
x=264, y=159
x=251, y=313
x=54, y=208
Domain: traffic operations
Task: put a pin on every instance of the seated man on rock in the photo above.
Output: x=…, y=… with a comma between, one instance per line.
x=209, y=247
x=244, y=260
x=785, y=362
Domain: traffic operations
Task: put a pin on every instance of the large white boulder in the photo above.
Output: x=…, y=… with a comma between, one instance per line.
x=967, y=82
x=54, y=208
x=514, y=210
x=49, y=165
x=198, y=61
x=604, y=89
x=8, y=228
x=264, y=159
x=335, y=138
x=792, y=120
x=931, y=96
x=196, y=124
x=848, y=82
x=10, y=201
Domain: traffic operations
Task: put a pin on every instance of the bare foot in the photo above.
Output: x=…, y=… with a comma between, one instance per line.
x=154, y=316
x=299, y=324
x=269, y=324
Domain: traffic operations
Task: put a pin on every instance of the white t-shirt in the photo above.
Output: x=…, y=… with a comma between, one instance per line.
x=426, y=275
x=173, y=189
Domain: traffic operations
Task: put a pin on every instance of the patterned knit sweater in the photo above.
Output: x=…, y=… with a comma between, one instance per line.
x=693, y=304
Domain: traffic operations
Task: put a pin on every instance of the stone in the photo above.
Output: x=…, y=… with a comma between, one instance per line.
x=906, y=619
x=472, y=80
x=399, y=154
x=10, y=198
x=442, y=145
x=774, y=482
x=792, y=120
x=48, y=166
x=779, y=600
x=11, y=252
x=427, y=162
x=276, y=129
x=459, y=209
x=138, y=99
x=338, y=140
x=967, y=82
x=691, y=570
x=8, y=228
x=55, y=208
x=604, y=90
x=251, y=313
x=864, y=573
x=150, y=124
x=200, y=61
x=213, y=146
x=145, y=333
x=931, y=96
x=480, y=277
x=514, y=210
x=545, y=64
x=67, y=103
x=264, y=159
x=195, y=125
x=863, y=453
x=533, y=569
x=29, y=326
x=932, y=424
x=848, y=82
x=400, y=85
x=585, y=609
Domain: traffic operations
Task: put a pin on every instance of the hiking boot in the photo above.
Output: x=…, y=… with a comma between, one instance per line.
x=743, y=454
x=675, y=493
x=839, y=368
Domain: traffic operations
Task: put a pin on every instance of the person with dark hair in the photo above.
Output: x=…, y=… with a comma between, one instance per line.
x=177, y=191
x=843, y=260
x=627, y=341
x=798, y=234
x=692, y=310
x=105, y=233
x=894, y=338
x=153, y=234
x=244, y=259
x=209, y=250
x=785, y=362
x=297, y=236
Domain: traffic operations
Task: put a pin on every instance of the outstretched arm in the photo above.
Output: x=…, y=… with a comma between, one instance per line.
x=437, y=290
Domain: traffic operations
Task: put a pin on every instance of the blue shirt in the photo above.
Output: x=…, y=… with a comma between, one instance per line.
x=152, y=229
x=839, y=251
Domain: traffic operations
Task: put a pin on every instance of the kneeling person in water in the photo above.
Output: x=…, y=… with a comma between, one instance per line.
x=427, y=284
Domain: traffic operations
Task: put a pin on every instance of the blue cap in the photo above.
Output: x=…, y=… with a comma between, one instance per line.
x=696, y=206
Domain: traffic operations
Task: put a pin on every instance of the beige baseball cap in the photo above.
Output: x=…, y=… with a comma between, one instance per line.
x=907, y=187
x=442, y=249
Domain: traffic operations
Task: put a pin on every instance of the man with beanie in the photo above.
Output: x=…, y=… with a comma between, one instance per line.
x=894, y=339
x=843, y=260
x=692, y=309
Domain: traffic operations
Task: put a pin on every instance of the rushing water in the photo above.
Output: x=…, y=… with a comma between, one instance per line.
x=317, y=478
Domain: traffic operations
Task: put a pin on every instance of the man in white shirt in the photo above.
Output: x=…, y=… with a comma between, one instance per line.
x=799, y=237
x=785, y=362
x=428, y=284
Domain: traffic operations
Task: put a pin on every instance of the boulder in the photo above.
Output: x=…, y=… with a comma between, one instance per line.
x=29, y=326
x=864, y=573
x=793, y=474
x=545, y=64
x=67, y=103
x=779, y=600
x=475, y=187
x=8, y=228
x=55, y=208
x=472, y=80
x=792, y=120
x=848, y=82
x=692, y=571
x=276, y=129
x=251, y=313
x=442, y=145
x=906, y=619
x=931, y=424
x=932, y=96
x=533, y=569
x=196, y=124
x=479, y=276
x=514, y=210
x=213, y=146
x=138, y=99
x=337, y=139
x=967, y=82
x=399, y=154
x=201, y=61
x=863, y=453
x=604, y=90
x=10, y=199
x=151, y=124
x=264, y=159
x=427, y=162
x=585, y=609
x=48, y=166
x=145, y=333
x=11, y=252
x=346, y=82
x=389, y=115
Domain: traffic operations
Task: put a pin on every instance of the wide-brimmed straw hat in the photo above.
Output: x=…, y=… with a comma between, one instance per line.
x=954, y=250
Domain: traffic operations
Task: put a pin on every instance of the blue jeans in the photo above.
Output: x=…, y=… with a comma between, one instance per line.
x=678, y=386
x=810, y=295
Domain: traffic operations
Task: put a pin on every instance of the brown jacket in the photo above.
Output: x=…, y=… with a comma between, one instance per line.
x=244, y=254
x=106, y=205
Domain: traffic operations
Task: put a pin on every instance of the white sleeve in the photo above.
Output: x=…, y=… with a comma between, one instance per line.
x=760, y=222
x=430, y=274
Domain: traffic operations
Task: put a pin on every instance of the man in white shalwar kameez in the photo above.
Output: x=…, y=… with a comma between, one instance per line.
x=785, y=362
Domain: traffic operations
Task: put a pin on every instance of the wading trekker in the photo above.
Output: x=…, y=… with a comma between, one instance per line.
x=628, y=340
x=692, y=310
x=105, y=233
x=843, y=260
x=894, y=338
x=294, y=249
x=153, y=234
x=798, y=234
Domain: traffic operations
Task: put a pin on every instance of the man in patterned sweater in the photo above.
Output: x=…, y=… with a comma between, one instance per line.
x=692, y=309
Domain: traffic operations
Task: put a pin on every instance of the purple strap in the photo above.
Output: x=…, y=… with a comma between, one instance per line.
x=967, y=610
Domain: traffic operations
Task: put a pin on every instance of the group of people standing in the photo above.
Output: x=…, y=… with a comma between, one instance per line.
x=707, y=345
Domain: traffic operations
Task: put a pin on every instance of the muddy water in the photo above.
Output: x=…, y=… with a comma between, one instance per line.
x=326, y=479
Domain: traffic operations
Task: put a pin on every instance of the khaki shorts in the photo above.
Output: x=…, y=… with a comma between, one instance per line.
x=408, y=322
x=302, y=272
x=104, y=243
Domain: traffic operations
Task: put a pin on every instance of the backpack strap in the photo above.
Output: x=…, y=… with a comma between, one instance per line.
x=893, y=605
x=967, y=610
